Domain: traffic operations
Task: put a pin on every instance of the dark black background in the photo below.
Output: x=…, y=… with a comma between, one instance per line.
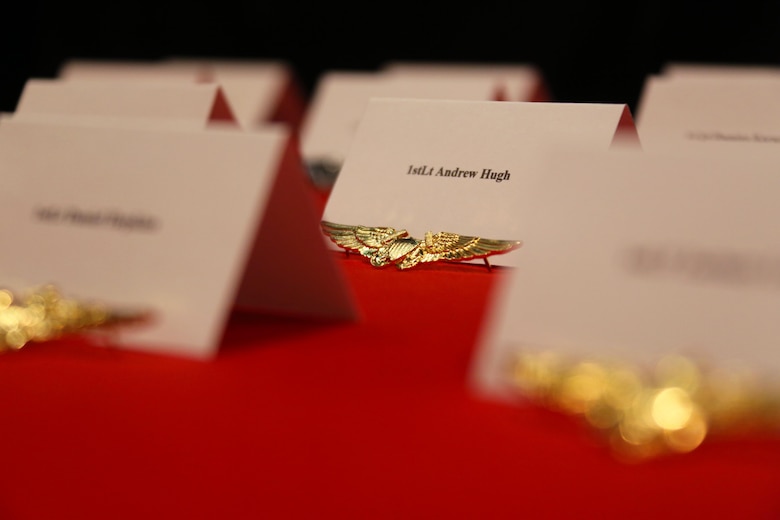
x=587, y=51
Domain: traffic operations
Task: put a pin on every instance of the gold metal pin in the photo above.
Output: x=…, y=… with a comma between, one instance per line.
x=389, y=246
x=45, y=314
x=644, y=415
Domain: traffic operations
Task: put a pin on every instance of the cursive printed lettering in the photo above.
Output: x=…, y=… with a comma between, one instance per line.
x=419, y=170
x=457, y=172
x=487, y=173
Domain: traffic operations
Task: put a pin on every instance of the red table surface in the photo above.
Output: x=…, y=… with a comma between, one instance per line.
x=302, y=419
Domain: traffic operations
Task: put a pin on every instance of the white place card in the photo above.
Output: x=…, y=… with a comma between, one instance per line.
x=158, y=71
x=461, y=166
x=690, y=113
x=259, y=91
x=514, y=82
x=340, y=100
x=186, y=224
x=334, y=112
x=633, y=256
x=717, y=70
x=182, y=105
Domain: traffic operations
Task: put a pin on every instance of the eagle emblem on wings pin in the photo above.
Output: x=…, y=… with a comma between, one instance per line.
x=389, y=246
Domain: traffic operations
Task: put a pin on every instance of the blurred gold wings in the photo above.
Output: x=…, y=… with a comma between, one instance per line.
x=385, y=245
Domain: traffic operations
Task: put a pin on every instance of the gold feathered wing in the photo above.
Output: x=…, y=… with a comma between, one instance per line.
x=454, y=248
x=386, y=245
x=382, y=245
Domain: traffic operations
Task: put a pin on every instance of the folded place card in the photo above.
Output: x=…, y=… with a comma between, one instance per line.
x=340, y=100
x=175, y=105
x=158, y=71
x=330, y=123
x=461, y=166
x=689, y=113
x=185, y=224
x=515, y=82
x=717, y=70
x=634, y=257
x=258, y=91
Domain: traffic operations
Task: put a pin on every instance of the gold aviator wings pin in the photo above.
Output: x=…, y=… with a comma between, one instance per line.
x=385, y=245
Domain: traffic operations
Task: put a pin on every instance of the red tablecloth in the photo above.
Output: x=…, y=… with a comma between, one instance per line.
x=300, y=419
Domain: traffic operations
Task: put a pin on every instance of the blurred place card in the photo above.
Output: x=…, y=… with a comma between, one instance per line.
x=461, y=166
x=258, y=91
x=514, y=82
x=718, y=70
x=187, y=224
x=687, y=113
x=157, y=71
x=629, y=257
x=334, y=112
x=340, y=100
x=173, y=105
